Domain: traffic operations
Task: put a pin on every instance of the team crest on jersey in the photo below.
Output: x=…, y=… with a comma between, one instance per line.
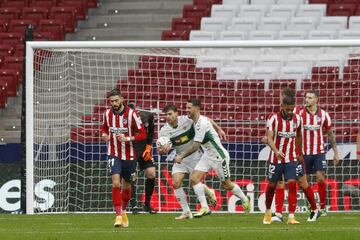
x=294, y=125
x=125, y=121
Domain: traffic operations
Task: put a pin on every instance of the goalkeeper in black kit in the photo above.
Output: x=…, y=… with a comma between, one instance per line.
x=145, y=162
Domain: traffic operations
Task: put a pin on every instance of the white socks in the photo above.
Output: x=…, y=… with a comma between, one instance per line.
x=239, y=193
x=181, y=197
x=200, y=193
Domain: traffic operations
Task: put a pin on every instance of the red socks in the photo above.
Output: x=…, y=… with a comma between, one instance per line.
x=269, y=193
x=292, y=198
x=126, y=195
x=279, y=199
x=116, y=198
x=322, y=194
x=309, y=193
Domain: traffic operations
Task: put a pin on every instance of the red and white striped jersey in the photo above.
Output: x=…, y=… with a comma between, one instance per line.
x=314, y=126
x=128, y=123
x=284, y=137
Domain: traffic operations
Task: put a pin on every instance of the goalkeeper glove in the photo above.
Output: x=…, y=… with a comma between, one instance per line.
x=147, y=153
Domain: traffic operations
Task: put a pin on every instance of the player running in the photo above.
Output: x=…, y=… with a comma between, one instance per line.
x=214, y=157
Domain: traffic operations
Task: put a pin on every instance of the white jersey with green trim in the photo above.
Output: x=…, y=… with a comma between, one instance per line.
x=209, y=138
x=181, y=136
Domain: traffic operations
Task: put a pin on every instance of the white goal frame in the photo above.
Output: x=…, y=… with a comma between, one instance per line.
x=30, y=46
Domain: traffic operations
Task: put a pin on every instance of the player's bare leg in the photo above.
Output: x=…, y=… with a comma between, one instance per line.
x=236, y=190
x=116, y=198
x=195, y=180
x=150, y=174
x=125, y=197
x=177, y=180
x=320, y=179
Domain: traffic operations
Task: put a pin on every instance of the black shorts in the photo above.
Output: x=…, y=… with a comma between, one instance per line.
x=144, y=164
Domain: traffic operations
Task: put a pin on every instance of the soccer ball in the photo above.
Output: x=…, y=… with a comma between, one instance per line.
x=164, y=142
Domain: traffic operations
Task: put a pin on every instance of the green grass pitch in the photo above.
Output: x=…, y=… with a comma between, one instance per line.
x=344, y=226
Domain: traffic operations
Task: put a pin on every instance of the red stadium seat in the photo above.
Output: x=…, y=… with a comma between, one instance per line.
x=9, y=13
x=17, y=64
x=10, y=77
x=207, y=2
x=92, y=118
x=67, y=14
x=19, y=4
x=185, y=24
x=346, y=1
x=55, y=26
x=328, y=73
x=282, y=83
x=251, y=84
x=3, y=95
x=35, y=13
x=79, y=5
x=341, y=9
x=196, y=11
x=85, y=134
x=47, y=4
x=6, y=50
x=91, y=3
x=11, y=38
x=19, y=25
x=169, y=35
x=44, y=35
x=19, y=50
x=3, y=25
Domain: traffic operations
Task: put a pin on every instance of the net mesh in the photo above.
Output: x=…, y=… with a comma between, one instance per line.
x=239, y=88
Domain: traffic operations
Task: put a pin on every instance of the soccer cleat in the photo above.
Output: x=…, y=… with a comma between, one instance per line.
x=149, y=209
x=211, y=198
x=118, y=221
x=246, y=205
x=277, y=217
x=267, y=217
x=125, y=220
x=292, y=220
x=185, y=215
x=202, y=212
x=135, y=210
x=323, y=212
x=314, y=215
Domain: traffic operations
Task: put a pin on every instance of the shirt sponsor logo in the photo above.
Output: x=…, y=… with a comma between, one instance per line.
x=286, y=134
x=311, y=127
x=115, y=130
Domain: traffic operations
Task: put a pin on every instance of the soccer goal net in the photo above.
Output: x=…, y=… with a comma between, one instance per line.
x=239, y=85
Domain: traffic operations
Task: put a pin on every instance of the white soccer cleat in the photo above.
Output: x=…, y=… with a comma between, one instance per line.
x=314, y=215
x=185, y=215
x=202, y=212
x=277, y=218
x=118, y=221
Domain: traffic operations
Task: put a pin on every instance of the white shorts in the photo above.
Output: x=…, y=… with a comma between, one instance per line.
x=188, y=164
x=220, y=166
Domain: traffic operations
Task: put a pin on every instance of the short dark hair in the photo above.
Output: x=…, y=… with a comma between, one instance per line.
x=288, y=92
x=288, y=100
x=315, y=92
x=115, y=92
x=195, y=102
x=169, y=108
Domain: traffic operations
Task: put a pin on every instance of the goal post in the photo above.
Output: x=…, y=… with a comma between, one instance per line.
x=238, y=82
